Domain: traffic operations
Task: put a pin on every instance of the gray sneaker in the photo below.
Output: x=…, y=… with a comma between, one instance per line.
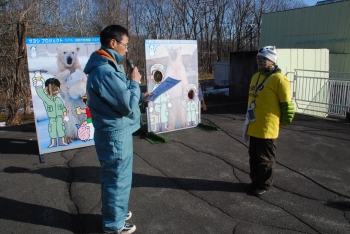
x=128, y=228
x=128, y=215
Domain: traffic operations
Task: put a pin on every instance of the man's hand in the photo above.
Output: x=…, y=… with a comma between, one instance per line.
x=145, y=96
x=135, y=75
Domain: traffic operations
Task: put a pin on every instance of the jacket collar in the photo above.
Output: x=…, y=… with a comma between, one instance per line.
x=110, y=54
x=270, y=70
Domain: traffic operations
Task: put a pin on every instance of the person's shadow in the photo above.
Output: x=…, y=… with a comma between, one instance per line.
x=92, y=174
x=18, y=146
x=142, y=180
x=92, y=223
x=47, y=216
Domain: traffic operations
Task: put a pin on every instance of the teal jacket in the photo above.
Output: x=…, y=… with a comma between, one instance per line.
x=113, y=99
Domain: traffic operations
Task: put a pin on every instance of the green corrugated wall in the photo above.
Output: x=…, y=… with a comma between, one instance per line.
x=317, y=27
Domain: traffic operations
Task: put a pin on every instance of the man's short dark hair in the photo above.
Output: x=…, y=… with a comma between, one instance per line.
x=112, y=32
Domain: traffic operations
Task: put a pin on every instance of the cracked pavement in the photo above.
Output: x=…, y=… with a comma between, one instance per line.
x=193, y=184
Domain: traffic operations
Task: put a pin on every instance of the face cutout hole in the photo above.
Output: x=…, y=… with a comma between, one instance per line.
x=157, y=76
x=52, y=90
x=190, y=94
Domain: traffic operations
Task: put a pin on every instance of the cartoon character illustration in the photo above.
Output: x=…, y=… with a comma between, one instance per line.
x=83, y=132
x=191, y=105
x=54, y=107
x=73, y=87
x=33, y=51
x=176, y=69
x=159, y=107
x=86, y=130
x=152, y=50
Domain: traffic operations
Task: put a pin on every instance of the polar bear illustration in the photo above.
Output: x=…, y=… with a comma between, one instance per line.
x=176, y=70
x=73, y=87
x=33, y=51
x=151, y=50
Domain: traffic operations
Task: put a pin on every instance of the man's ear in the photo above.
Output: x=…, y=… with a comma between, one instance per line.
x=112, y=43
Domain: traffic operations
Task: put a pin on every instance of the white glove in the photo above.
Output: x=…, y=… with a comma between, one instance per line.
x=37, y=83
x=151, y=109
x=66, y=118
x=245, y=136
x=169, y=105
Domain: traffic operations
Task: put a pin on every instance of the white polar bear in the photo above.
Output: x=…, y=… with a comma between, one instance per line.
x=73, y=87
x=176, y=69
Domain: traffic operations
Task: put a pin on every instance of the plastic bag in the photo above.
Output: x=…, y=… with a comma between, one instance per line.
x=245, y=136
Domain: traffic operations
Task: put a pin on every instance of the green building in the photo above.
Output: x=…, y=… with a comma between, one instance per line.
x=324, y=26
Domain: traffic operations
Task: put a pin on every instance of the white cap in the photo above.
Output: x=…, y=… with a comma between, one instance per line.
x=268, y=52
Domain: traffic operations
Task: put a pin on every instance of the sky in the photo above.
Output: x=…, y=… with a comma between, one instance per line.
x=311, y=2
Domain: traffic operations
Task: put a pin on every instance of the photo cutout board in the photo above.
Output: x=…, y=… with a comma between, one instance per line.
x=62, y=116
x=172, y=73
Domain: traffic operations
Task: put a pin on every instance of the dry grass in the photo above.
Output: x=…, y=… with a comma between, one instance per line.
x=26, y=118
x=205, y=76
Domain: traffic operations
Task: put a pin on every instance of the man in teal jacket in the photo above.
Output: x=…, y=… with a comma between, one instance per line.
x=114, y=104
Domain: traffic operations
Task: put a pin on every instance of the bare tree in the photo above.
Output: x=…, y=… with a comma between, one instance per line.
x=206, y=50
x=15, y=83
x=158, y=19
x=219, y=26
x=104, y=13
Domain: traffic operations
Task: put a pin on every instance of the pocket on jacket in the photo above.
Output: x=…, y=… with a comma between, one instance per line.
x=63, y=126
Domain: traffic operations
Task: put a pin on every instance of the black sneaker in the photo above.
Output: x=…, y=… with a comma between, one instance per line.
x=259, y=192
x=128, y=228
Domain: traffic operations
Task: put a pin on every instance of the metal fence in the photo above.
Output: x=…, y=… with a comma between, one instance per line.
x=322, y=93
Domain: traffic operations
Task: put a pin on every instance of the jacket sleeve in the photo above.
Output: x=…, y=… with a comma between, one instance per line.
x=285, y=101
x=287, y=113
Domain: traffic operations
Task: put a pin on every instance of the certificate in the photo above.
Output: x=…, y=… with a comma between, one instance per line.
x=167, y=84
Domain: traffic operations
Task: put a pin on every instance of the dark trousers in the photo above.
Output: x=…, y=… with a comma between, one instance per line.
x=262, y=161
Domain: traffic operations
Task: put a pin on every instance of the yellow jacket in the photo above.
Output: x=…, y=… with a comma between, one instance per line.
x=275, y=91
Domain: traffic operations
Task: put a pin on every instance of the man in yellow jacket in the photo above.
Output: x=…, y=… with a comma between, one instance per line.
x=269, y=108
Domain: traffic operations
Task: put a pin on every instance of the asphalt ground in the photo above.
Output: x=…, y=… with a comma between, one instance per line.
x=192, y=184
